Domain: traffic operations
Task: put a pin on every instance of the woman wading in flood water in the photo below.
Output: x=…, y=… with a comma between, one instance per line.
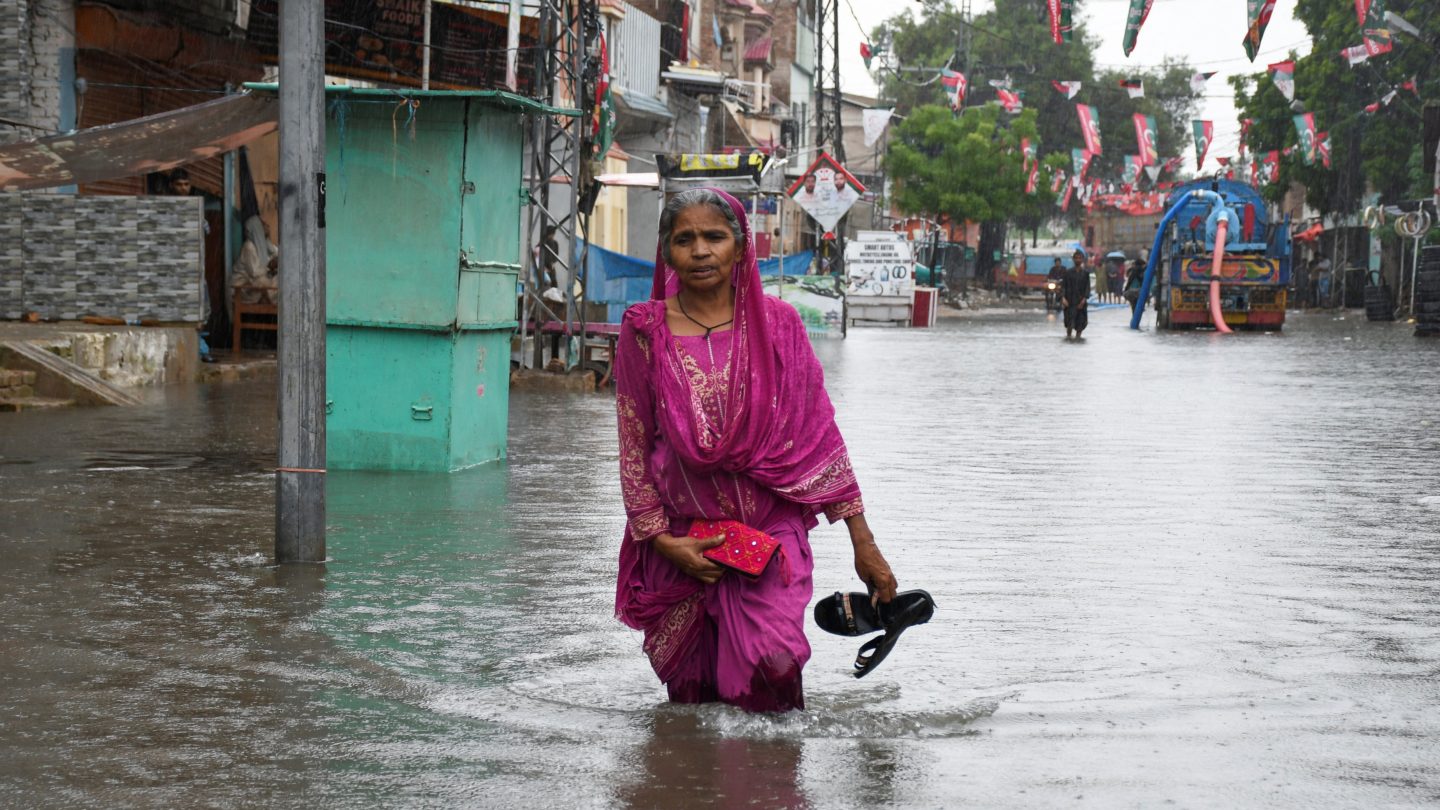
x=723, y=415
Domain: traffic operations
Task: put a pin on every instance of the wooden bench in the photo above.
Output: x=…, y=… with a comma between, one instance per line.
x=604, y=335
x=241, y=322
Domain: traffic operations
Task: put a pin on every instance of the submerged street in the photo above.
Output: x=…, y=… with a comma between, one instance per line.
x=1171, y=569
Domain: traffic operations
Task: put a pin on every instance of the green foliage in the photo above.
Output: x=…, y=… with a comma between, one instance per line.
x=1014, y=41
x=1380, y=151
x=967, y=167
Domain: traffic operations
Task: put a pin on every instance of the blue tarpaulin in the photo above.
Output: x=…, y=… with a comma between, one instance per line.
x=618, y=280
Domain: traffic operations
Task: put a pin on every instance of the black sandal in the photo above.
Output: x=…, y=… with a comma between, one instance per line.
x=853, y=614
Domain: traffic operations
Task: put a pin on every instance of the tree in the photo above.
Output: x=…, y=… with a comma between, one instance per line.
x=966, y=167
x=1013, y=42
x=1379, y=151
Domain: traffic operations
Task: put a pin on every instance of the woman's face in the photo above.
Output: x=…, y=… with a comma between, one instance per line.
x=703, y=249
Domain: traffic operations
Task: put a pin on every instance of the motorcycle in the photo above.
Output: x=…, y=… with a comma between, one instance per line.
x=1052, y=295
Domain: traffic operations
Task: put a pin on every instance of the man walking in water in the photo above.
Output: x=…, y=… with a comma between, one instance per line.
x=1074, y=292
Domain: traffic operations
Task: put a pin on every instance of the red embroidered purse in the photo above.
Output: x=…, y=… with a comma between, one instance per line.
x=747, y=550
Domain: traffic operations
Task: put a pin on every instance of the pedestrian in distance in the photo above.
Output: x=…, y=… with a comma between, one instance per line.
x=1056, y=275
x=1074, y=296
x=723, y=416
x=1134, y=280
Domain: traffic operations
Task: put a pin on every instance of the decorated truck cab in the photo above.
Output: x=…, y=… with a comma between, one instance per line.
x=1254, y=267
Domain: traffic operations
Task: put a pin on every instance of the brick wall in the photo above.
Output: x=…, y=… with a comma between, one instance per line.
x=67, y=256
x=14, y=73
x=35, y=36
x=52, y=40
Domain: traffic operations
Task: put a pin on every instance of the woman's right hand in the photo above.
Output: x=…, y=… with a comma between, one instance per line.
x=685, y=553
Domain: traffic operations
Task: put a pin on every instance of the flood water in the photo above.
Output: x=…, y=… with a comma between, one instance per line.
x=1172, y=570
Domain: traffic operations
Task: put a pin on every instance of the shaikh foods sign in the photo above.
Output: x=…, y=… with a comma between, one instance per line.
x=384, y=40
x=826, y=192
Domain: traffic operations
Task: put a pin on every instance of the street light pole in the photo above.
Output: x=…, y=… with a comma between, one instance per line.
x=300, y=476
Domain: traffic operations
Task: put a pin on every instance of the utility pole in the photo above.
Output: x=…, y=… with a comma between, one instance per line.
x=300, y=476
x=830, y=130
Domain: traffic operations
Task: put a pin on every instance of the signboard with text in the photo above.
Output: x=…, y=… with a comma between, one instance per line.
x=879, y=263
x=826, y=191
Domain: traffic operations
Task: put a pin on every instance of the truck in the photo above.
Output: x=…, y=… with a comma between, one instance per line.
x=1254, y=268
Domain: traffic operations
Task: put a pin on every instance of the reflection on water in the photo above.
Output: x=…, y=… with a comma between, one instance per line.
x=1172, y=568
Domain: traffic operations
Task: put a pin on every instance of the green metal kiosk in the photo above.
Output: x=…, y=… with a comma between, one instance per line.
x=423, y=209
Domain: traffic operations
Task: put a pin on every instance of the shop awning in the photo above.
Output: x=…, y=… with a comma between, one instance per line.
x=152, y=144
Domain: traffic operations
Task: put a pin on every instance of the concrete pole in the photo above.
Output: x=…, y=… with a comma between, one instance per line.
x=425, y=51
x=780, y=210
x=300, y=477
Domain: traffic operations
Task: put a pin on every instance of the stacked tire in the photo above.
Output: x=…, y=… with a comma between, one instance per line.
x=1427, y=293
x=1378, y=304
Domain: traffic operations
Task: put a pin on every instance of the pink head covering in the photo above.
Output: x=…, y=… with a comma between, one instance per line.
x=752, y=367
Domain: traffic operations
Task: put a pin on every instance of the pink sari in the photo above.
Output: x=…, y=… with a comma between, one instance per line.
x=737, y=426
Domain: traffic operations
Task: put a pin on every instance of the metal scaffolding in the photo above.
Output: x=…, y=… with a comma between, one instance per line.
x=829, y=127
x=566, y=67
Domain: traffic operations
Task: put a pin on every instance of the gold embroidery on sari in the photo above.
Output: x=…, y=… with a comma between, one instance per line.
x=662, y=642
x=840, y=510
x=832, y=477
x=708, y=391
x=638, y=490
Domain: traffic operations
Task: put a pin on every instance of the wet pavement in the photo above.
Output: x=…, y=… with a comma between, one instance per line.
x=1174, y=569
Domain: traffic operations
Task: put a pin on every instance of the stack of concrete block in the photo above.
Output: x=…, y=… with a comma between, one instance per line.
x=137, y=258
x=16, y=384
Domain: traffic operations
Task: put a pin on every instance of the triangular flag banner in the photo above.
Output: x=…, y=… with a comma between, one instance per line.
x=955, y=85
x=1322, y=146
x=1070, y=89
x=1375, y=47
x=1061, y=12
x=1272, y=166
x=1134, y=86
x=874, y=123
x=1059, y=178
x=1373, y=107
x=1362, y=9
x=1374, y=27
x=1080, y=161
x=1204, y=132
x=1065, y=199
x=1411, y=86
x=1145, y=130
x=1153, y=172
x=1198, y=80
x=1305, y=128
x=1388, y=97
x=1283, y=74
x=603, y=124
x=1089, y=127
x=1002, y=84
x=1258, y=12
x=1245, y=124
x=1033, y=178
x=1223, y=161
x=1355, y=54
x=1010, y=100
x=1130, y=172
x=866, y=54
x=1139, y=11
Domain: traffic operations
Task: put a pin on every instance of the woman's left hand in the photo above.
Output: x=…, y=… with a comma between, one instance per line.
x=869, y=562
